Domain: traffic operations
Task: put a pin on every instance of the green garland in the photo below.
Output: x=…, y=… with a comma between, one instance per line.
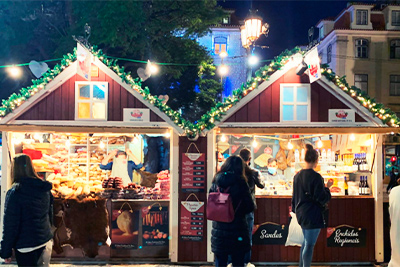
x=216, y=113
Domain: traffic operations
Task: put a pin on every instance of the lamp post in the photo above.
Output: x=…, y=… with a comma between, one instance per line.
x=252, y=29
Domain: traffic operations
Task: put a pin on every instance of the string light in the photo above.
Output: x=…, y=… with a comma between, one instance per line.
x=168, y=134
x=223, y=54
x=102, y=145
x=352, y=137
x=223, y=138
x=290, y=145
x=153, y=68
x=14, y=72
x=319, y=143
x=36, y=136
x=255, y=144
x=253, y=60
x=68, y=143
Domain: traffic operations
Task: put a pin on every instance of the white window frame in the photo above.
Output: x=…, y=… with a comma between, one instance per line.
x=360, y=12
x=214, y=43
x=395, y=23
x=295, y=86
x=91, y=100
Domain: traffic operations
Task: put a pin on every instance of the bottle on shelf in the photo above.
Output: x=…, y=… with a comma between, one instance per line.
x=346, y=186
x=356, y=166
x=323, y=154
x=360, y=186
x=297, y=156
x=329, y=156
x=367, y=190
x=365, y=162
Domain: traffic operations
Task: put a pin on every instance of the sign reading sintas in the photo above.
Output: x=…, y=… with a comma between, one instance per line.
x=342, y=116
x=346, y=236
x=270, y=234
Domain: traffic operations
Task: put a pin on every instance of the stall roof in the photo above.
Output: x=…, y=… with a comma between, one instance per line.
x=233, y=114
x=18, y=104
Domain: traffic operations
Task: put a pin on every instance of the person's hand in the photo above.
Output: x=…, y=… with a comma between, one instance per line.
x=128, y=151
x=329, y=183
x=8, y=260
x=114, y=152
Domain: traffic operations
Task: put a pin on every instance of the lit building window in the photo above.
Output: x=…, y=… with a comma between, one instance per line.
x=225, y=20
x=395, y=49
x=395, y=18
x=361, y=48
x=362, y=17
x=91, y=100
x=395, y=85
x=361, y=82
x=329, y=54
x=220, y=45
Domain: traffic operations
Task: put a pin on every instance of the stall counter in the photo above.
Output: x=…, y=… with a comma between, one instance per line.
x=344, y=211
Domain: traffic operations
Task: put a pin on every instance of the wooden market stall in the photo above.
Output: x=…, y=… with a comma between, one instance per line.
x=68, y=122
x=275, y=117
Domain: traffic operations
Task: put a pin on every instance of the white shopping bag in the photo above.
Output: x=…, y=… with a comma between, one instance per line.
x=295, y=235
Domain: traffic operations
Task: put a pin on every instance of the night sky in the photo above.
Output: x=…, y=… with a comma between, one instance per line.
x=289, y=20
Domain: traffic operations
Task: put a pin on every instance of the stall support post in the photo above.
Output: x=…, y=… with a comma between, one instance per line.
x=211, y=164
x=6, y=172
x=174, y=204
x=378, y=196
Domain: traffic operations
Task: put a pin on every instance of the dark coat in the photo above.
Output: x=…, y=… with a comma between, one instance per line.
x=309, y=197
x=28, y=215
x=253, y=179
x=232, y=237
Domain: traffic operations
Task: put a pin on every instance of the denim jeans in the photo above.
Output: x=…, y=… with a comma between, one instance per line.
x=221, y=260
x=250, y=224
x=307, y=248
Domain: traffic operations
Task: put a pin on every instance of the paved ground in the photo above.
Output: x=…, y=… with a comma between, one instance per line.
x=166, y=265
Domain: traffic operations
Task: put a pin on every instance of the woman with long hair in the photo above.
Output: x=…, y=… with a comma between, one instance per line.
x=28, y=216
x=232, y=239
x=309, y=199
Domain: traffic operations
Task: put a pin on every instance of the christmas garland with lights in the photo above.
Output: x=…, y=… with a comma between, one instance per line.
x=216, y=113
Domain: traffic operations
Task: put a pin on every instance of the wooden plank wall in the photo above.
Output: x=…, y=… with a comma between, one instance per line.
x=60, y=104
x=353, y=211
x=266, y=106
x=190, y=251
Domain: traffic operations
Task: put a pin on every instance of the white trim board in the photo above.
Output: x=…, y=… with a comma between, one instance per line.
x=349, y=101
x=264, y=85
x=61, y=78
x=88, y=123
x=136, y=94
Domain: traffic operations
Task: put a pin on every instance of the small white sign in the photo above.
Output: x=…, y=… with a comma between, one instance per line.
x=136, y=115
x=342, y=116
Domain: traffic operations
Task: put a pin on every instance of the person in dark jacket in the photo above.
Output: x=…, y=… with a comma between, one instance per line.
x=309, y=199
x=27, y=217
x=232, y=239
x=253, y=180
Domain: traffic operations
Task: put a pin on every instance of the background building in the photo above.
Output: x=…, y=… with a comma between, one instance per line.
x=363, y=43
x=225, y=37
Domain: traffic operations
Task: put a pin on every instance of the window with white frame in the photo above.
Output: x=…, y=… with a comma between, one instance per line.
x=91, y=100
x=220, y=45
x=329, y=54
x=396, y=18
x=225, y=20
x=321, y=32
x=361, y=82
x=395, y=85
x=362, y=48
x=295, y=103
x=362, y=17
x=395, y=49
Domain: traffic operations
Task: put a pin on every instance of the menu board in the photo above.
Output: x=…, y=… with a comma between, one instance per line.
x=124, y=226
x=155, y=226
x=193, y=172
x=192, y=220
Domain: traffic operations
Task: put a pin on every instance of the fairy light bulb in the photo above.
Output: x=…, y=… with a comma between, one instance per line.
x=135, y=139
x=255, y=144
x=68, y=143
x=290, y=145
x=319, y=143
x=352, y=137
x=223, y=138
x=102, y=145
x=168, y=134
x=36, y=136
